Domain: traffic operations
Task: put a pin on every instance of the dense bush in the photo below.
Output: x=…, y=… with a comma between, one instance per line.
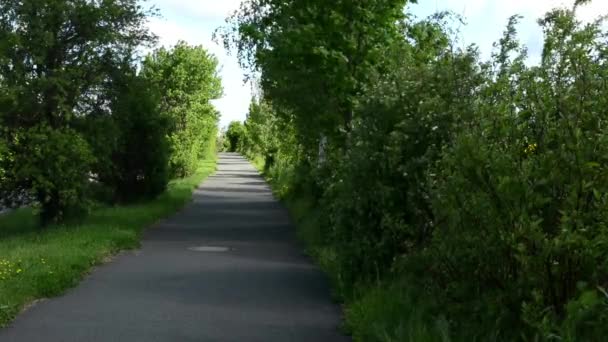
x=484, y=181
x=51, y=166
x=140, y=157
x=377, y=199
x=54, y=164
x=520, y=195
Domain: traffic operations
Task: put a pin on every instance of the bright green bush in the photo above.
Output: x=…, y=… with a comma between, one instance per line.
x=187, y=77
x=260, y=135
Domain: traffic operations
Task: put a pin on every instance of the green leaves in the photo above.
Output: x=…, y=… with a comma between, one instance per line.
x=314, y=58
x=55, y=163
x=485, y=180
x=187, y=78
x=536, y=207
x=57, y=62
x=137, y=163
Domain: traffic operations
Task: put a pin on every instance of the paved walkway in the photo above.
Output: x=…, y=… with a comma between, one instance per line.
x=261, y=289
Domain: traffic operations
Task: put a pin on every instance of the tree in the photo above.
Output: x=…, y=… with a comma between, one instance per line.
x=520, y=194
x=261, y=137
x=187, y=77
x=55, y=58
x=314, y=58
x=139, y=159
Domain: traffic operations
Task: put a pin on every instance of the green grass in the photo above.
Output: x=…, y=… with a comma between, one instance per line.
x=395, y=311
x=40, y=263
x=258, y=163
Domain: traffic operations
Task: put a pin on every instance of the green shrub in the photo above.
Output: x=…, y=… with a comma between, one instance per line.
x=376, y=194
x=140, y=160
x=56, y=59
x=521, y=194
x=55, y=165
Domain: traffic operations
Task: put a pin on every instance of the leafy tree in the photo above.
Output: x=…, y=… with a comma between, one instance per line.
x=271, y=135
x=187, y=77
x=139, y=159
x=261, y=137
x=55, y=57
x=314, y=57
x=52, y=162
x=380, y=207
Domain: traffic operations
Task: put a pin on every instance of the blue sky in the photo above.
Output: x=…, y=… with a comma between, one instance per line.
x=195, y=20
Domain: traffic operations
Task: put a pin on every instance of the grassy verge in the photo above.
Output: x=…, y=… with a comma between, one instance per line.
x=38, y=263
x=394, y=310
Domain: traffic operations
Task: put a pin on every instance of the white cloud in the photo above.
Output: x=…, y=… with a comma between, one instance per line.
x=486, y=19
x=203, y=9
x=492, y=8
x=194, y=22
x=169, y=32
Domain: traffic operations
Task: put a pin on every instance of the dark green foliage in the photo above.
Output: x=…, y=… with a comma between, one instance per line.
x=54, y=164
x=55, y=59
x=520, y=195
x=140, y=158
x=485, y=182
x=404, y=119
x=235, y=134
x=75, y=116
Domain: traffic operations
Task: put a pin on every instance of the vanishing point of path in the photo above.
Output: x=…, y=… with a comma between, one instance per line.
x=262, y=288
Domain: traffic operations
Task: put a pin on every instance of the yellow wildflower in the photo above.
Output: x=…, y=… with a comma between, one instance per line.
x=531, y=148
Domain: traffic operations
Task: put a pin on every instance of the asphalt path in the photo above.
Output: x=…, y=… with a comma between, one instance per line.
x=225, y=268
